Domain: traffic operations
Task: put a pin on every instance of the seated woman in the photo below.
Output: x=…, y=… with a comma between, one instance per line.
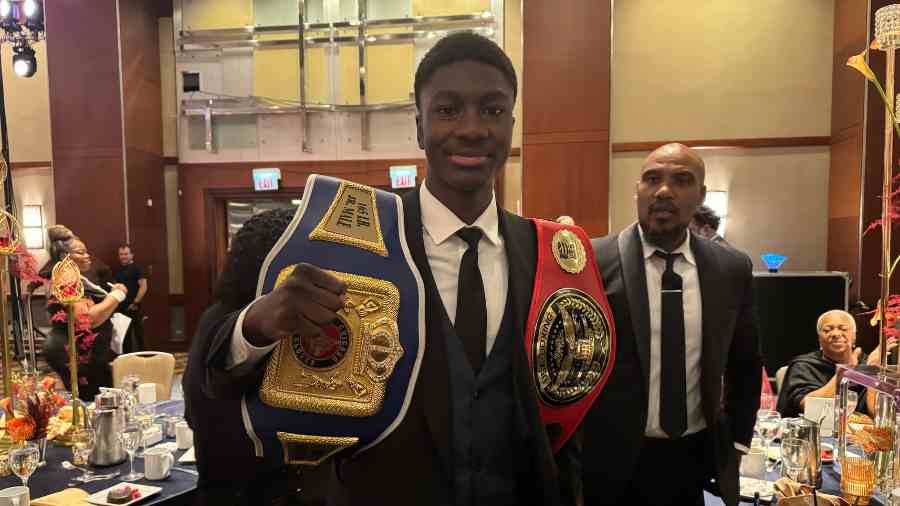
x=93, y=330
x=815, y=374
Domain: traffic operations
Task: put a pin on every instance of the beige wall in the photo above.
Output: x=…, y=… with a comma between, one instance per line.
x=777, y=200
x=173, y=230
x=27, y=108
x=721, y=69
x=168, y=84
x=35, y=186
x=717, y=69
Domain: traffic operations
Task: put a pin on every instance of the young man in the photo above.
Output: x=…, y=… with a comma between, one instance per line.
x=472, y=434
x=686, y=385
x=132, y=276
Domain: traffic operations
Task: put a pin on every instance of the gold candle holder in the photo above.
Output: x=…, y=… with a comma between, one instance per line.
x=66, y=285
x=9, y=242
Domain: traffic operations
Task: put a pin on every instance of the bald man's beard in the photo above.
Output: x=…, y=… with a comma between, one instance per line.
x=665, y=239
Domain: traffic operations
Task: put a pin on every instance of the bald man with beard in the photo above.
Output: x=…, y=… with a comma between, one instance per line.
x=681, y=403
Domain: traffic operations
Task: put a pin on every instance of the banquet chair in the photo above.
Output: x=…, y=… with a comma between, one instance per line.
x=779, y=378
x=150, y=366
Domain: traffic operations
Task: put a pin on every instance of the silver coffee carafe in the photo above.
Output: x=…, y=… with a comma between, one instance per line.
x=108, y=420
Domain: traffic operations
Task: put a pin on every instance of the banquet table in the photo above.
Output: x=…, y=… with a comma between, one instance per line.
x=177, y=489
x=831, y=484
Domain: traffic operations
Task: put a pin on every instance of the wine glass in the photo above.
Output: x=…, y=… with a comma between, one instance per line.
x=143, y=417
x=768, y=424
x=130, y=437
x=82, y=446
x=794, y=454
x=24, y=460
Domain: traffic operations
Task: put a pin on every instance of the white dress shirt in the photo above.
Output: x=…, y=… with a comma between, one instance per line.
x=444, y=250
x=686, y=267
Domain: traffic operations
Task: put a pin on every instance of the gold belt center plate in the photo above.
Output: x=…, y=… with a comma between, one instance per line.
x=345, y=370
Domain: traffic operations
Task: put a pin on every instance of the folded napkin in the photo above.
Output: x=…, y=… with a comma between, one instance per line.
x=188, y=457
x=791, y=493
x=67, y=497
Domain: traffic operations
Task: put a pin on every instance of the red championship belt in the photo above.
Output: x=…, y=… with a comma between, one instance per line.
x=570, y=338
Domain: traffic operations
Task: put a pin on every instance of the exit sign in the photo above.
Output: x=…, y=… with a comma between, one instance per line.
x=403, y=176
x=266, y=179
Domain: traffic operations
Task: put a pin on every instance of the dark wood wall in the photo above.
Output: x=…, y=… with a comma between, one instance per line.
x=205, y=187
x=857, y=159
x=102, y=178
x=86, y=122
x=566, y=104
x=142, y=96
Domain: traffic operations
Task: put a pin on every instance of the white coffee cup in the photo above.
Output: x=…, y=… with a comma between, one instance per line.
x=184, y=436
x=146, y=393
x=157, y=463
x=15, y=496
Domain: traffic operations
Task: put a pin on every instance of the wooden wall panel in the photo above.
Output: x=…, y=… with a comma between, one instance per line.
x=199, y=182
x=142, y=96
x=566, y=104
x=85, y=115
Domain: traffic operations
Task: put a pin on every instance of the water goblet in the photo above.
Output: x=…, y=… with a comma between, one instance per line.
x=143, y=417
x=24, y=460
x=130, y=437
x=794, y=455
x=82, y=445
x=768, y=424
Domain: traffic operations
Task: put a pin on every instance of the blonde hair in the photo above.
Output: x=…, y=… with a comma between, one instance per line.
x=845, y=314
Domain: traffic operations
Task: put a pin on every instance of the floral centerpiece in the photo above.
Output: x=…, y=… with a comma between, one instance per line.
x=36, y=403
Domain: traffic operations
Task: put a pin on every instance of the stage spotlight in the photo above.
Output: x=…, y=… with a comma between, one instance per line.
x=24, y=61
x=34, y=15
x=5, y=9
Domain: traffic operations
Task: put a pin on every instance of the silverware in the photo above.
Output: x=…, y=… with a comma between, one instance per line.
x=183, y=470
x=99, y=477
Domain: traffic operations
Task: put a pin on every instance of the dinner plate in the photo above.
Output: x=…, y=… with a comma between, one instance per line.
x=100, y=497
x=749, y=486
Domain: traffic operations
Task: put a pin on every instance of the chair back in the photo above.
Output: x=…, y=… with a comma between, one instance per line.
x=151, y=366
x=779, y=377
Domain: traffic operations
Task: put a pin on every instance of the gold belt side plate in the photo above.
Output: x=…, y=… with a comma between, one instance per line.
x=352, y=220
x=300, y=449
x=345, y=370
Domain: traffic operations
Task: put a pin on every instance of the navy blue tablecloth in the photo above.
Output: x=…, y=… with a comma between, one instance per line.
x=831, y=484
x=52, y=477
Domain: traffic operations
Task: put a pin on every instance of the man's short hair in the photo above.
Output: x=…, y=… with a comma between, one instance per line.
x=126, y=245
x=704, y=215
x=846, y=315
x=463, y=46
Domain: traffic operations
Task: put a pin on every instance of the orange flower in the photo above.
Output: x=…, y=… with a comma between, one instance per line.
x=859, y=63
x=6, y=404
x=20, y=429
x=875, y=44
x=48, y=383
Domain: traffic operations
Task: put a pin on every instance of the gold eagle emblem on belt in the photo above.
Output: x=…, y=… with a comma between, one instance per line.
x=571, y=346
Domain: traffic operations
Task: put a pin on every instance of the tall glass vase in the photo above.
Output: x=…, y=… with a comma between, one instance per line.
x=866, y=452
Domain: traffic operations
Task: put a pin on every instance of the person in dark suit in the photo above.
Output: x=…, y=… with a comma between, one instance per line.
x=472, y=434
x=681, y=403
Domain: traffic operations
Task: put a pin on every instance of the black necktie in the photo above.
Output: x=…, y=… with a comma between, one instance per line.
x=471, y=308
x=673, y=389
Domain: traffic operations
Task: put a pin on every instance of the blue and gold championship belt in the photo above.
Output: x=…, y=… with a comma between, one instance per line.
x=351, y=386
x=570, y=338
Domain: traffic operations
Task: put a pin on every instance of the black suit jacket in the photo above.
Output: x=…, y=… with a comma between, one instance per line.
x=730, y=365
x=411, y=466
